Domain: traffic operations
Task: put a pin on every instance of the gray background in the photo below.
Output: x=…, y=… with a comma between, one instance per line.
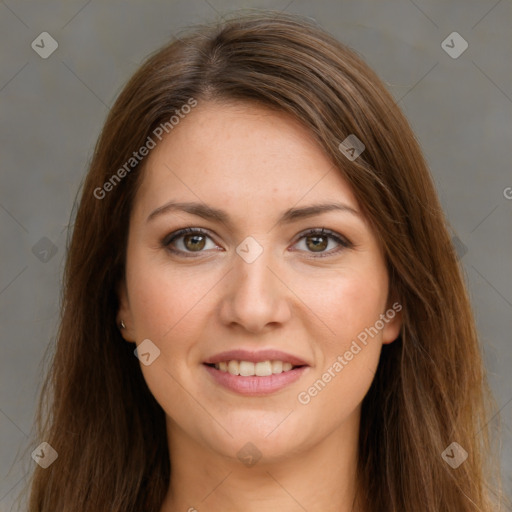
x=52, y=111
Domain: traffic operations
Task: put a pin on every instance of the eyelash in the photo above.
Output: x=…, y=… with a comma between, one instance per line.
x=344, y=242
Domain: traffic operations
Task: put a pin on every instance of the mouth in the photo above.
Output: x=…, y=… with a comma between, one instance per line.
x=255, y=373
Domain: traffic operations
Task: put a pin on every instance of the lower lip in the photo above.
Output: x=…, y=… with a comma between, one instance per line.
x=254, y=385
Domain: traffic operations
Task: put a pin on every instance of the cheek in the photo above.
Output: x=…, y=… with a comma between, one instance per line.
x=351, y=306
x=169, y=307
x=347, y=302
x=166, y=301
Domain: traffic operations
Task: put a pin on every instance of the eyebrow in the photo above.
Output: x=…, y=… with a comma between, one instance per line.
x=214, y=214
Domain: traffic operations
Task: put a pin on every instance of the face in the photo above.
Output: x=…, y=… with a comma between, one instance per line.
x=260, y=274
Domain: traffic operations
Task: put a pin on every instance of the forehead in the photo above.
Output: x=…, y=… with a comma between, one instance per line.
x=240, y=153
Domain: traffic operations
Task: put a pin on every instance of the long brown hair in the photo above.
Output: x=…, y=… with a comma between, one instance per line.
x=430, y=388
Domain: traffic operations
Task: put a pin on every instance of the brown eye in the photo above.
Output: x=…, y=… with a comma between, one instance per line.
x=194, y=242
x=323, y=242
x=187, y=241
x=317, y=243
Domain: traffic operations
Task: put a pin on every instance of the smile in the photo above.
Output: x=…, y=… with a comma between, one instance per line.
x=248, y=368
x=255, y=373
x=246, y=382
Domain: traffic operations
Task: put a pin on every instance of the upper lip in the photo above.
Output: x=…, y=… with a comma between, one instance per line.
x=256, y=357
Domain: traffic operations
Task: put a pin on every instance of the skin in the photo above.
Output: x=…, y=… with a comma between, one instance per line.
x=254, y=164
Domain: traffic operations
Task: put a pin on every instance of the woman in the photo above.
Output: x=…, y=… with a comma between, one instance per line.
x=259, y=228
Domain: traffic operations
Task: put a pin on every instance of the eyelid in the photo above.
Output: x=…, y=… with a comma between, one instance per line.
x=344, y=242
x=325, y=232
x=184, y=231
x=168, y=239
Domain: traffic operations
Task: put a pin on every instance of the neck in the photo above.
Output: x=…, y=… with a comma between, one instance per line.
x=323, y=477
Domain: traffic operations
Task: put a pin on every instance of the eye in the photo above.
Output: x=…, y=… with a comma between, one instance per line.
x=187, y=240
x=316, y=241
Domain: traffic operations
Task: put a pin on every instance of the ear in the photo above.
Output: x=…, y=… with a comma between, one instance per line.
x=124, y=313
x=392, y=318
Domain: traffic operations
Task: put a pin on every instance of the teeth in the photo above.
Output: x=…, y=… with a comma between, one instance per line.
x=233, y=368
x=246, y=368
x=263, y=369
x=287, y=367
x=249, y=369
x=277, y=366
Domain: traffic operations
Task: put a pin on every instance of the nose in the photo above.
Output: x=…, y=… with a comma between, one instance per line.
x=255, y=298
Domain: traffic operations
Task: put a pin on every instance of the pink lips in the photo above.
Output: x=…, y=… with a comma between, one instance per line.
x=254, y=385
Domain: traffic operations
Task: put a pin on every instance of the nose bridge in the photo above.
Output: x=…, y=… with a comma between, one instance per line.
x=253, y=277
x=254, y=297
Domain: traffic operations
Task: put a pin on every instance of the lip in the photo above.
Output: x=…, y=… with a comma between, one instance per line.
x=256, y=357
x=254, y=385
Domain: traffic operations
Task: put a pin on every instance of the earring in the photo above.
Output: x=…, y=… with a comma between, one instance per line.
x=122, y=325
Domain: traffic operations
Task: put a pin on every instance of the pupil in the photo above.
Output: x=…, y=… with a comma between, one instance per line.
x=318, y=246
x=195, y=242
